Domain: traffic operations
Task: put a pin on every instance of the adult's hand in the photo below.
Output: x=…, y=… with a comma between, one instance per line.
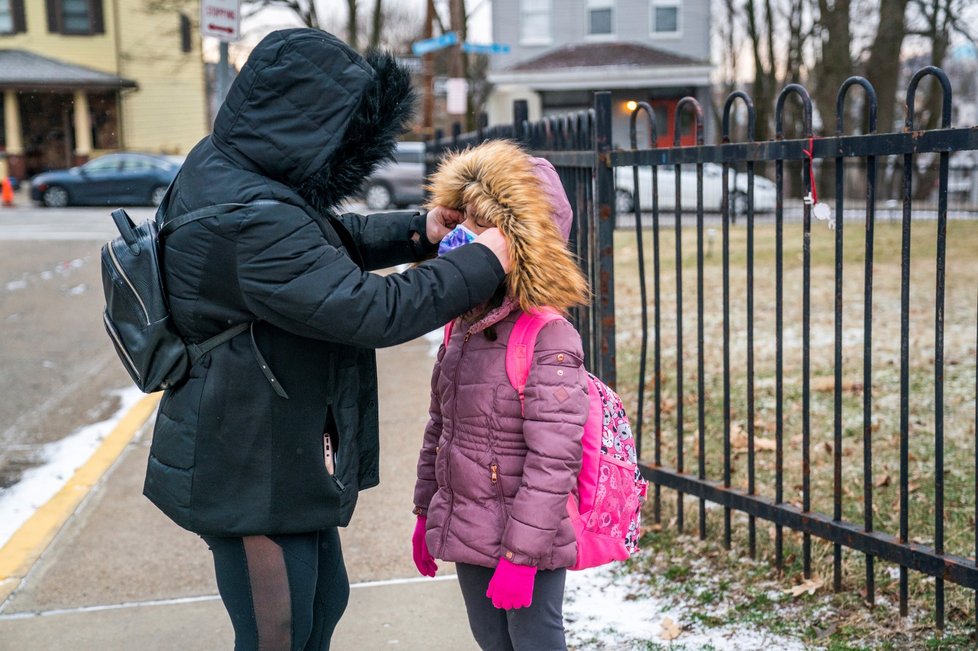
x=493, y=238
x=441, y=221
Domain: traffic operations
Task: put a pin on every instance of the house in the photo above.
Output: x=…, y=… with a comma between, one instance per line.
x=82, y=77
x=562, y=51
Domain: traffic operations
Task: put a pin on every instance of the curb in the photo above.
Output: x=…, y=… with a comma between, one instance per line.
x=26, y=545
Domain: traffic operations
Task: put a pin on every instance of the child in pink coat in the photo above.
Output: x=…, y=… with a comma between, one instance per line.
x=494, y=478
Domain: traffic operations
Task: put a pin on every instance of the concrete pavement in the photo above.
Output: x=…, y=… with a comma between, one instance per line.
x=120, y=575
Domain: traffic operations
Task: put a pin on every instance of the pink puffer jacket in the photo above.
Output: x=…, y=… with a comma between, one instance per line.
x=494, y=481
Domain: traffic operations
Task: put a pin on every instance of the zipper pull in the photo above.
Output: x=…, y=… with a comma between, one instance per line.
x=494, y=476
x=467, y=335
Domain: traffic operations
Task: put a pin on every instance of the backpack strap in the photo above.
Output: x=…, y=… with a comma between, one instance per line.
x=199, y=350
x=194, y=215
x=448, y=331
x=522, y=341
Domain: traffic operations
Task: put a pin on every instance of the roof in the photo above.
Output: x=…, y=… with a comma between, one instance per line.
x=607, y=66
x=23, y=70
x=590, y=55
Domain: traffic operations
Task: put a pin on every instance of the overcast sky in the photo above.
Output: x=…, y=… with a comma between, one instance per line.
x=480, y=26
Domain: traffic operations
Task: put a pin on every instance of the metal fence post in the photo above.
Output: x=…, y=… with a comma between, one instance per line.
x=521, y=112
x=604, y=231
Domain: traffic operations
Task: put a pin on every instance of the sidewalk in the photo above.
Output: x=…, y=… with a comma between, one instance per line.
x=119, y=575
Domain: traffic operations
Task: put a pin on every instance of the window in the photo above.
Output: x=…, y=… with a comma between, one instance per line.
x=75, y=17
x=12, y=17
x=600, y=17
x=536, y=24
x=664, y=16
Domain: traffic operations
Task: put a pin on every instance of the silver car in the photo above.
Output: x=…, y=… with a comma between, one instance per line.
x=764, y=189
x=397, y=184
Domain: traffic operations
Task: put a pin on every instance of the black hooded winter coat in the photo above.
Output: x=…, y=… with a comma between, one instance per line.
x=238, y=447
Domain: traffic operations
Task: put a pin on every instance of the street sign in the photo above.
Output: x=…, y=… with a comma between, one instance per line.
x=221, y=19
x=419, y=48
x=485, y=48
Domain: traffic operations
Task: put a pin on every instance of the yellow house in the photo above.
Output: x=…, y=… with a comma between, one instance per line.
x=80, y=77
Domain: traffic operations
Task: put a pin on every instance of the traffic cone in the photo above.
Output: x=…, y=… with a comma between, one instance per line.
x=7, y=192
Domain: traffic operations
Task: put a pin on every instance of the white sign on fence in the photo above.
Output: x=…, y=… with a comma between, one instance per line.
x=221, y=19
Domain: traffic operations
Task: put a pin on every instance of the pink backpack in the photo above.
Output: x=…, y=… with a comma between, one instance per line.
x=607, y=505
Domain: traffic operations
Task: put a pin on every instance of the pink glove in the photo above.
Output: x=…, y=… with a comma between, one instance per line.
x=424, y=561
x=511, y=585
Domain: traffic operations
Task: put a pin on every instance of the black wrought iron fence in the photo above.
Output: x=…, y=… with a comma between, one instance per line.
x=754, y=400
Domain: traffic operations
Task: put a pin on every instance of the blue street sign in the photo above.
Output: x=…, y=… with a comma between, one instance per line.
x=447, y=39
x=485, y=48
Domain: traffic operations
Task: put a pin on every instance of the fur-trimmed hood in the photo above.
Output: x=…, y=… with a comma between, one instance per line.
x=311, y=113
x=523, y=197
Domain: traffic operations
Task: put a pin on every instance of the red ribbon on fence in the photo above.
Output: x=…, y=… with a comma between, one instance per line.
x=811, y=169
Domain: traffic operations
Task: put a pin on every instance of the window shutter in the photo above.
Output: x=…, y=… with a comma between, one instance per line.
x=186, y=45
x=20, y=23
x=54, y=8
x=96, y=19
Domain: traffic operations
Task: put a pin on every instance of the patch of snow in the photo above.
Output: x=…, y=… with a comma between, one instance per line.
x=615, y=611
x=78, y=289
x=15, y=285
x=61, y=459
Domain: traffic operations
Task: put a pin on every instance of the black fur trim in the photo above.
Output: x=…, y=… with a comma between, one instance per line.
x=384, y=113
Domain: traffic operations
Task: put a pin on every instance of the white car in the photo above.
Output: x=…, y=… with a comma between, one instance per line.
x=764, y=189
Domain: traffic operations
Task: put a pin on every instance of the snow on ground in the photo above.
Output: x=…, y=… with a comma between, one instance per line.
x=60, y=461
x=604, y=609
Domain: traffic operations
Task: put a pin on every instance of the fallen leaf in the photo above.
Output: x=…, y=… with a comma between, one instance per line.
x=765, y=445
x=669, y=629
x=809, y=586
x=912, y=487
x=883, y=481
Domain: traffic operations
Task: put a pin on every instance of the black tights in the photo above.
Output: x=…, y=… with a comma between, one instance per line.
x=283, y=593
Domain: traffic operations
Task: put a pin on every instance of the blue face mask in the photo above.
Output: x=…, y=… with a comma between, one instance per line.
x=460, y=236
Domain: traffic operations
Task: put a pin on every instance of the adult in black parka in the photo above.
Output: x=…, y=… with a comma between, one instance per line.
x=238, y=450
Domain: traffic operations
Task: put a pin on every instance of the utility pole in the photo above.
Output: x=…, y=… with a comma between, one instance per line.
x=428, y=72
x=459, y=65
x=457, y=19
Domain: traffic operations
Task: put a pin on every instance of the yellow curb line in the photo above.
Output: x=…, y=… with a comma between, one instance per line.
x=32, y=538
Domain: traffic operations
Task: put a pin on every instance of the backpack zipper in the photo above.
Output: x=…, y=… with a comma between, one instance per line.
x=118, y=268
x=118, y=344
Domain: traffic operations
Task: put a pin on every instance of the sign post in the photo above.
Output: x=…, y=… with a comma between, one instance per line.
x=221, y=19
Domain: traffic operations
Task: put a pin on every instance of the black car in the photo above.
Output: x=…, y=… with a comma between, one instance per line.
x=112, y=179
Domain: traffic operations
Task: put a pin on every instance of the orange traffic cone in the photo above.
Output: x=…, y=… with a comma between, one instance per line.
x=7, y=191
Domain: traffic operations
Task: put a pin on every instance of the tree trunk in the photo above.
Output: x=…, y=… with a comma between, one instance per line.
x=834, y=66
x=940, y=37
x=762, y=89
x=376, y=25
x=351, y=23
x=883, y=65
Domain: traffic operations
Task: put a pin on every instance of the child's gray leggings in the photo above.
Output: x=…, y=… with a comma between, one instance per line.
x=537, y=628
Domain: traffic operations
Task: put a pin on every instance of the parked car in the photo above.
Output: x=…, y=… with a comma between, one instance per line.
x=764, y=189
x=398, y=183
x=112, y=179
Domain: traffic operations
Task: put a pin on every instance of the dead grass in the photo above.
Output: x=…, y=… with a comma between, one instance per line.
x=961, y=307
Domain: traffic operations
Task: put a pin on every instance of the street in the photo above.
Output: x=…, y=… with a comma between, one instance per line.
x=59, y=369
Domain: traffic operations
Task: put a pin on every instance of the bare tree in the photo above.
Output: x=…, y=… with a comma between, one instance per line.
x=304, y=10
x=352, y=33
